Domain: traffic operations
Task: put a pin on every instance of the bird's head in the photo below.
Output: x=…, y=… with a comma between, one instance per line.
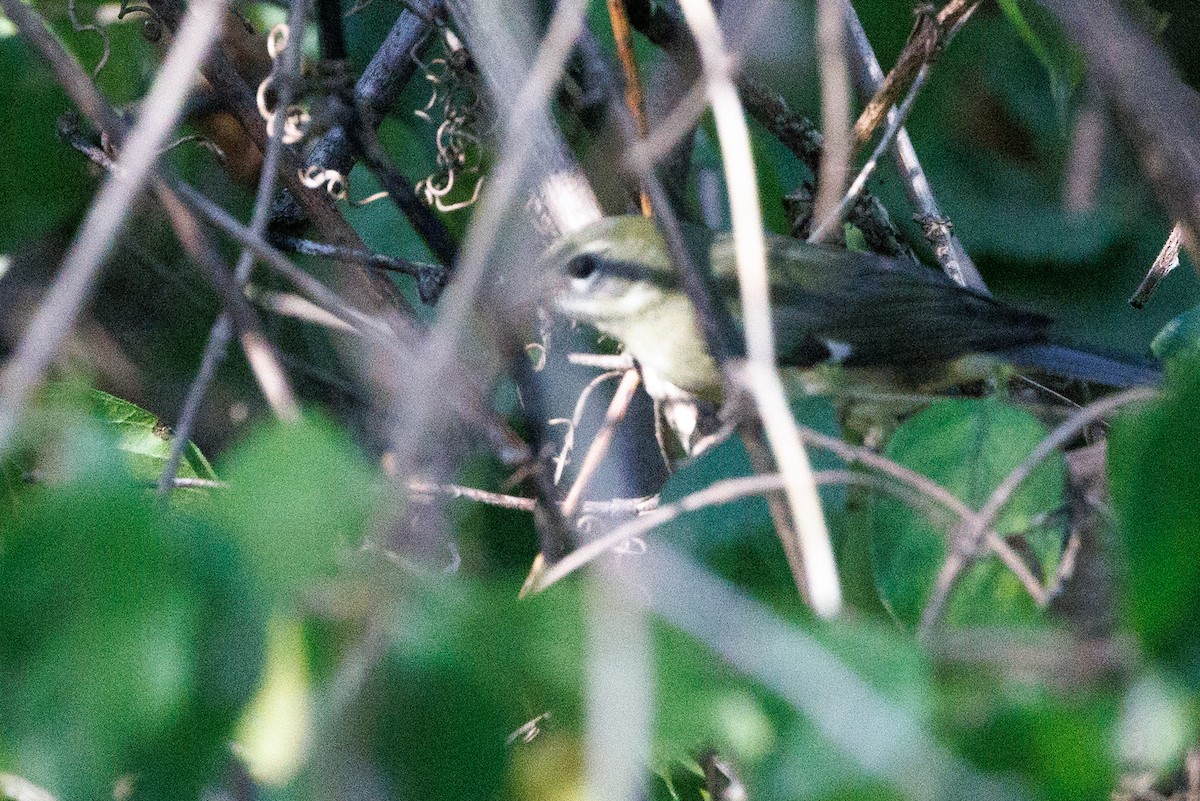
x=610, y=271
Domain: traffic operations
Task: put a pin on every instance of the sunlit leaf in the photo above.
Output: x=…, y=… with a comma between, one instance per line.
x=145, y=440
x=1179, y=337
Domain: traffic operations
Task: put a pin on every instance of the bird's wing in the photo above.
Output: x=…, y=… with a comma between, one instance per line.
x=868, y=310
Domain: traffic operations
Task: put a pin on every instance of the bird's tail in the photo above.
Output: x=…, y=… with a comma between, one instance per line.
x=1094, y=368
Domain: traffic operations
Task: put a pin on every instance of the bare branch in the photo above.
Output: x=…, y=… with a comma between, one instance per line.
x=947, y=249
x=837, y=154
x=1156, y=113
x=760, y=375
x=1167, y=260
x=283, y=73
x=830, y=227
x=516, y=152
x=716, y=494
x=1064, y=433
x=976, y=530
x=930, y=36
x=603, y=439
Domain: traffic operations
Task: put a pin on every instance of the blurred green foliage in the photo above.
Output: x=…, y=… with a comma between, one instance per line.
x=1152, y=482
x=130, y=635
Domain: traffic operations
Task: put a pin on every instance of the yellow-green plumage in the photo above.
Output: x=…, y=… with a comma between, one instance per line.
x=860, y=309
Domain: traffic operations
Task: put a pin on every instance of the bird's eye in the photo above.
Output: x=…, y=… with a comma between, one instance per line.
x=583, y=266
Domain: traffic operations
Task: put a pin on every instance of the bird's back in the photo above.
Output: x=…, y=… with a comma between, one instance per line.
x=867, y=310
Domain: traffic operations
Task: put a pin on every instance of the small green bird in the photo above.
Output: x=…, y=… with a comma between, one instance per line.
x=902, y=324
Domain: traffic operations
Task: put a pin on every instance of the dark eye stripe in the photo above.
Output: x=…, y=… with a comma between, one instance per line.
x=583, y=265
x=586, y=265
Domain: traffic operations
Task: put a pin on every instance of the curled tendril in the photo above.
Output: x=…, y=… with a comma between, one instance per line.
x=80, y=27
x=295, y=117
x=201, y=141
x=455, y=107
x=335, y=184
x=277, y=40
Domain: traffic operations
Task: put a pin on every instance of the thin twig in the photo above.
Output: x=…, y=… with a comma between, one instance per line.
x=317, y=292
x=616, y=507
x=837, y=154
x=515, y=154
x=262, y=356
x=948, y=576
x=976, y=530
x=401, y=191
x=431, y=278
x=622, y=361
x=670, y=131
x=857, y=454
x=297, y=307
x=803, y=139
x=716, y=494
x=283, y=73
x=828, y=228
x=471, y=493
x=1066, y=564
x=947, y=249
x=572, y=424
x=1167, y=260
x=761, y=376
x=381, y=82
x=1061, y=435
x=603, y=439
x=365, y=287
x=113, y=203
x=1017, y=566
x=619, y=19
x=930, y=36
x=199, y=483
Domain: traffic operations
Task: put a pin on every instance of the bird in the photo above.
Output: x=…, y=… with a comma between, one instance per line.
x=886, y=323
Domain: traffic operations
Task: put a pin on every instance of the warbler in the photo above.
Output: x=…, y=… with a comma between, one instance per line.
x=902, y=324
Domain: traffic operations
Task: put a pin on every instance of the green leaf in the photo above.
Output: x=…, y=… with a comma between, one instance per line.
x=73, y=433
x=806, y=763
x=969, y=447
x=45, y=184
x=1179, y=337
x=467, y=666
x=297, y=494
x=129, y=641
x=145, y=439
x=1154, y=466
x=1061, y=64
